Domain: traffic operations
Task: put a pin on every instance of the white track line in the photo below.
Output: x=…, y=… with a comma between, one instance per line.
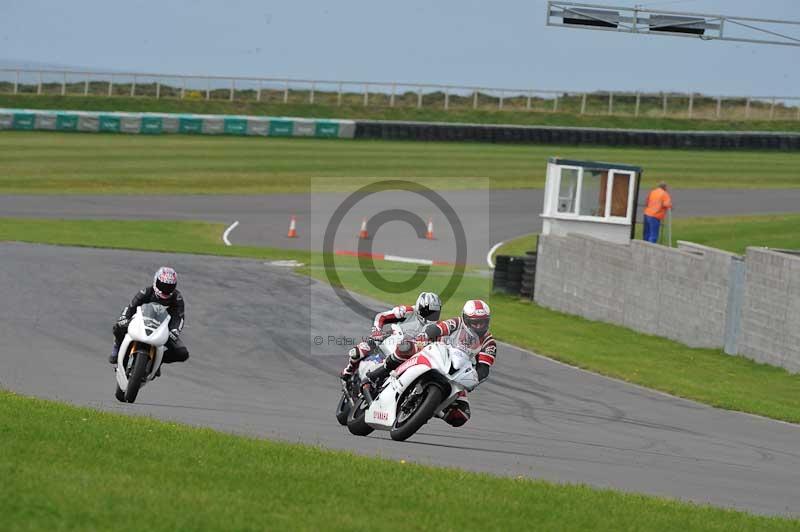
x=228, y=231
x=489, y=255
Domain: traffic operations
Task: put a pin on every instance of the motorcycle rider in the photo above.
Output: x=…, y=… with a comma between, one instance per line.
x=412, y=320
x=164, y=292
x=469, y=333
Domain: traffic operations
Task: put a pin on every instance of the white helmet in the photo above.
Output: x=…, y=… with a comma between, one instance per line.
x=164, y=282
x=476, y=316
x=428, y=306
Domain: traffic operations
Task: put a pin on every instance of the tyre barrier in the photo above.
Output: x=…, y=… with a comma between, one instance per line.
x=718, y=140
x=528, y=276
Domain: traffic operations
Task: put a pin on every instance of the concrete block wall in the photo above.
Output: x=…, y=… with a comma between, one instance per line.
x=681, y=293
x=770, y=322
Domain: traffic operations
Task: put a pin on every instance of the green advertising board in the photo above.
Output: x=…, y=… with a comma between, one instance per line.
x=151, y=125
x=109, y=123
x=281, y=128
x=235, y=126
x=190, y=125
x=65, y=122
x=326, y=129
x=24, y=121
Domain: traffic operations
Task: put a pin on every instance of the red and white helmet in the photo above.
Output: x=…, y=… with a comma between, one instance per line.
x=164, y=282
x=476, y=316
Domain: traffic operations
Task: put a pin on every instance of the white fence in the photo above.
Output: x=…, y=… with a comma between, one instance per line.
x=401, y=95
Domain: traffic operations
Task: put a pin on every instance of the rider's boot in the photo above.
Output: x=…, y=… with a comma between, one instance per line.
x=112, y=359
x=380, y=373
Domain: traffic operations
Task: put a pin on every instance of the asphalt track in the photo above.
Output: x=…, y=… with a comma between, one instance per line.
x=255, y=369
x=264, y=219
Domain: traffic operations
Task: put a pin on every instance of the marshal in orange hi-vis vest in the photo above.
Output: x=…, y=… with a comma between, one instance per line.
x=658, y=203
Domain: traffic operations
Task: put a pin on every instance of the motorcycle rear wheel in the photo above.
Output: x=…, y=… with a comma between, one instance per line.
x=136, y=377
x=355, y=419
x=426, y=409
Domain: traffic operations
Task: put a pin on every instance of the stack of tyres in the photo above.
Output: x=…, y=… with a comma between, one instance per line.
x=528, y=275
x=500, y=278
x=514, y=278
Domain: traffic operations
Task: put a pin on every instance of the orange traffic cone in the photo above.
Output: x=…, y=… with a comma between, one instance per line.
x=292, y=228
x=429, y=234
x=363, y=234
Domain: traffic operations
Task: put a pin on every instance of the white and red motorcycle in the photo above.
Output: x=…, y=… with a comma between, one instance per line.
x=419, y=389
x=142, y=350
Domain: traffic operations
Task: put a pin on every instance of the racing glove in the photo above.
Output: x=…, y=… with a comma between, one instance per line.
x=174, y=334
x=483, y=372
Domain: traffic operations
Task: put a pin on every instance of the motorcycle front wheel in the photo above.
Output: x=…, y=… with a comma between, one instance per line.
x=355, y=420
x=406, y=426
x=136, y=377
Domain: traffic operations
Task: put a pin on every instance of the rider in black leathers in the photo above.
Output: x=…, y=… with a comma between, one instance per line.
x=164, y=292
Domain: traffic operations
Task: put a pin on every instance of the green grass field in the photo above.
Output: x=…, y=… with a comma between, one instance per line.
x=353, y=108
x=706, y=375
x=69, y=468
x=83, y=163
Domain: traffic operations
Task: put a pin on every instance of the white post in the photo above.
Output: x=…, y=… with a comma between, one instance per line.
x=555, y=104
x=16, y=82
x=133, y=86
x=500, y=101
x=258, y=92
x=719, y=107
x=610, y=103
x=311, y=94
x=446, y=98
x=391, y=98
x=208, y=88
x=158, y=89
x=111, y=85
x=638, y=103
x=583, y=103
x=233, y=89
x=85, y=86
x=39, y=87
x=772, y=109
x=64, y=85
x=339, y=96
x=528, y=103
x=366, y=94
x=286, y=92
x=183, y=88
x=419, y=97
x=664, y=106
x=475, y=99
x=747, y=108
x=691, y=104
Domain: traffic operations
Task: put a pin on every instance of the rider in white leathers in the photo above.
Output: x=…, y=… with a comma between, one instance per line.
x=412, y=320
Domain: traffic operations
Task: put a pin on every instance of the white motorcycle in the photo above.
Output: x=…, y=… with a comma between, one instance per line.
x=419, y=389
x=142, y=350
x=351, y=390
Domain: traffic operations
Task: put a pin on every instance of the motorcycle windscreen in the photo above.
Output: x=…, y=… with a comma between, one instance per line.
x=153, y=316
x=465, y=340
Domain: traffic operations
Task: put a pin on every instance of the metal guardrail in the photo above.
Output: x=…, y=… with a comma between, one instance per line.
x=397, y=94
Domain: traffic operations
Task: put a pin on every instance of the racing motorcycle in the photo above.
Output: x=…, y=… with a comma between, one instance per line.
x=381, y=348
x=142, y=350
x=419, y=389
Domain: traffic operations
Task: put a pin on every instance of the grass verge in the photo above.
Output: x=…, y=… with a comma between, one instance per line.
x=355, y=109
x=36, y=162
x=70, y=468
x=706, y=375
